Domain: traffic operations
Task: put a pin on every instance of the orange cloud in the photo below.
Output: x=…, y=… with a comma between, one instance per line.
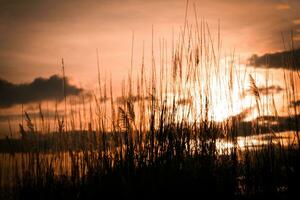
x=296, y=21
x=283, y=6
x=297, y=38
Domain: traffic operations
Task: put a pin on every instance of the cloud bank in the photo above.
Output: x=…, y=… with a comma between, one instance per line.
x=38, y=90
x=273, y=89
x=284, y=59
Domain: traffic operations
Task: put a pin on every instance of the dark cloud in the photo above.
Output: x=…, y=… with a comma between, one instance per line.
x=133, y=98
x=242, y=115
x=50, y=114
x=273, y=89
x=295, y=103
x=284, y=59
x=185, y=101
x=264, y=124
x=38, y=90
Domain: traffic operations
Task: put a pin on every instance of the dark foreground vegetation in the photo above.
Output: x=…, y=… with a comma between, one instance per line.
x=168, y=169
x=175, y=160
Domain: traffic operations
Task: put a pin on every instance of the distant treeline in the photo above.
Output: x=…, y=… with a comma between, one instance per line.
x=83, y=140
x=284, y=59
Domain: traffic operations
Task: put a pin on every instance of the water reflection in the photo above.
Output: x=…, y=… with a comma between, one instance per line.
x=61, y=162
x=282, y=139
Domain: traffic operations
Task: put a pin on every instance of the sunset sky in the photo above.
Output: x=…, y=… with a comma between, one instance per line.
x=35, y=35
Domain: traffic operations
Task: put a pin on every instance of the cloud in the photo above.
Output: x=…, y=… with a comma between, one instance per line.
x=134, y=98
x=296, y=21
x=297, y=38
x=185, y=101
x=283, y=6
x=38, y=90
x=242, y=115
x=295, y=103
x=284, y=59
x=17, y=117
x=273, y=89
x=266, y=123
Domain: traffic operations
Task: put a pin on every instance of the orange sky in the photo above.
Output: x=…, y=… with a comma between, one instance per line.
x=35, y=35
